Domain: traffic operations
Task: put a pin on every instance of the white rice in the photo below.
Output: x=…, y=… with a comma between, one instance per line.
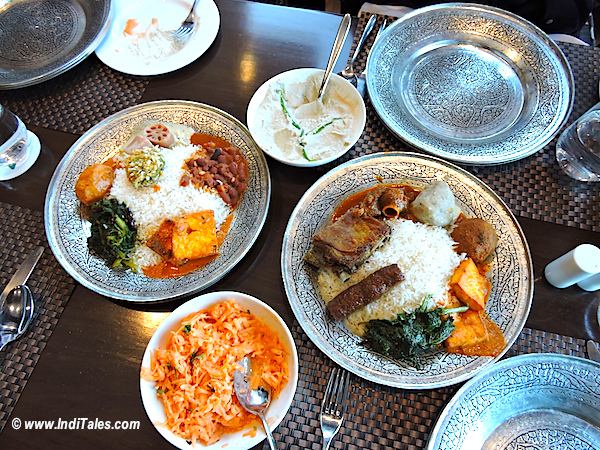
x=149, y=207
x=425, y=256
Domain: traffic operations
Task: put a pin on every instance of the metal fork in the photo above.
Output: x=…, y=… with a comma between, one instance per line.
x=361, y=79
x=334, y=404
x=186, y=28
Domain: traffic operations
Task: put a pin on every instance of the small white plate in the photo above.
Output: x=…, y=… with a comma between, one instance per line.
x=33, y=151
x=116, y=51
x=279, y=406
x=295, y=75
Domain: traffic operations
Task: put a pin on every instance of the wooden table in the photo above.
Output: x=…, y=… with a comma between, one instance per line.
x=90, y=367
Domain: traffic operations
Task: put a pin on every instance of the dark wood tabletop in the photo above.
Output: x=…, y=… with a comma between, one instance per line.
x=90, y=367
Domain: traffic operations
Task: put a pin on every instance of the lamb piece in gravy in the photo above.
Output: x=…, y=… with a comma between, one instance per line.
x=162, y=239
x=364, y=292
x=346, y=243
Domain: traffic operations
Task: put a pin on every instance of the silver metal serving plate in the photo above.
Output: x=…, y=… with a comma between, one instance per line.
x=536, y=401
x=511, y=270
x=44, y=38
x=67, y=231
x=470, y=83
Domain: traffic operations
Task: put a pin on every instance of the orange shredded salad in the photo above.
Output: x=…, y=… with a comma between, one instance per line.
x=194, y=372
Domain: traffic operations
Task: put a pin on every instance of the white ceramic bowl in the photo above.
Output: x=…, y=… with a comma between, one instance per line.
x=349, y=92
x=279, y=406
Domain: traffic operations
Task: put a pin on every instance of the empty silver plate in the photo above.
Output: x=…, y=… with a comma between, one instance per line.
x=470, y=83
x=535, y=401
x=44, y=38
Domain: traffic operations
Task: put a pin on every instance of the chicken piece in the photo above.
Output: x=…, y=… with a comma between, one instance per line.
x=475, y=237
x=159, y=134
x=475, y=334
x=346, y=243
x=471, y=288
x=195, y=236
x=94, y=183
x=162, y=239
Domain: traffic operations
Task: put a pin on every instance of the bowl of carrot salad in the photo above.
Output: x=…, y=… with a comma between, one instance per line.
x=186, y=378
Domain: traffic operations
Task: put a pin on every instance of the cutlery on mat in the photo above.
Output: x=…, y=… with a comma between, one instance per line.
x=16, y=315
x=185, y=29
x=593, y=351
x=348, y=73
x=361, y=79
x=22, y=274
x=334, y=404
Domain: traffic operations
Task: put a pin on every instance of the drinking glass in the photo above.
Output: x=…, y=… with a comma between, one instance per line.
x=19, y=147
x=578, y=148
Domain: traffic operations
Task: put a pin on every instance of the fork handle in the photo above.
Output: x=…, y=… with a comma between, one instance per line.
x=327, y=442
x=367, y=31
x=191, y=14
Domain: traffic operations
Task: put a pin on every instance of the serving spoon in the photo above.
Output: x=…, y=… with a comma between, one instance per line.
x=16, y=314
x=254, y=400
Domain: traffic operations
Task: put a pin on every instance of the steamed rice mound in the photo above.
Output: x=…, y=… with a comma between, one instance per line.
x=425, y=256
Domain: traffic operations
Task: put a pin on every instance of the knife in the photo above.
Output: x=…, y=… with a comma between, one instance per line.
x=593, y=352
x=22, y=274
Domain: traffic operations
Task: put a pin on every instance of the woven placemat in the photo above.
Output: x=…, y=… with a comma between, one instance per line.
x=381, y=417
x=534, y=187
x=76, y=100
x=22, y=230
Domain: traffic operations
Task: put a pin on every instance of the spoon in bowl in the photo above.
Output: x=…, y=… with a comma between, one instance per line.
x=254, y=399
x=16, y=314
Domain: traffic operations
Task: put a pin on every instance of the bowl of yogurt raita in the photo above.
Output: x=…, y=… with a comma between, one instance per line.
x=289, y=124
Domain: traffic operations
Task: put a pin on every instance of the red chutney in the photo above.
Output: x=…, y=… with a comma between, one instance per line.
x=168, y=269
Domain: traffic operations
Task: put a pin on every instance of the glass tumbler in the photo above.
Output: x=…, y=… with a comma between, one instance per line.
x=19, y=147
x=578, y=148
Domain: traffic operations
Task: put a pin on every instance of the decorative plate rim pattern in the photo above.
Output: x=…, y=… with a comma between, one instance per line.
x=554, y=82
x=484, y=386
x=81, y=51
x=512, y=262
x=65, y=227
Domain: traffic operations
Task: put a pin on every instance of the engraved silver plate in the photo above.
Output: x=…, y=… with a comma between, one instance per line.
x=470, y=83
x=536, y=401
x=511, y=271
x=44, y=38
x=66, y=230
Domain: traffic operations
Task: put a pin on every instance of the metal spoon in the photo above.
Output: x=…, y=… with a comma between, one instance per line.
x=338, y=44
x=348, y=73
x=16, y=314
x=255, y=401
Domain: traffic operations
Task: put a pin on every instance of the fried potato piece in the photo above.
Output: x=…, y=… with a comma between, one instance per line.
x=475, y=237
x=195, y=236
x=471, y=288
x=475, y=334
x=94, y=183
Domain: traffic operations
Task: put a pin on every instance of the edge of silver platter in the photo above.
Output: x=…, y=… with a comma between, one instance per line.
x=539, y=400
x=470, y=83
x=67, y=231
x=58, y=34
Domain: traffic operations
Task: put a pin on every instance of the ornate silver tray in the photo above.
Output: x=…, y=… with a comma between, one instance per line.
x=511, y=270
x=44, y=38
x=470, y=83
x=536, y=401
x=66, y=230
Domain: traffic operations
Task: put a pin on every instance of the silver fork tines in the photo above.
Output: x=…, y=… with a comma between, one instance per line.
x=186, y=28
x=334, y=404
